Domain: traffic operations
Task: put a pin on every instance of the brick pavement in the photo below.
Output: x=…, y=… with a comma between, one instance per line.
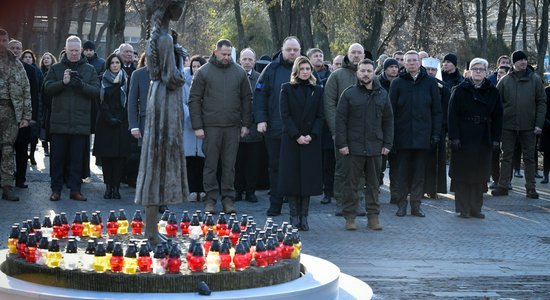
x=507, y=255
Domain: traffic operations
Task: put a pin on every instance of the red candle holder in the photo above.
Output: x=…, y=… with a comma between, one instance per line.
x=171, y=230
x=137, y=227
x=144, y=264
x=77, y=229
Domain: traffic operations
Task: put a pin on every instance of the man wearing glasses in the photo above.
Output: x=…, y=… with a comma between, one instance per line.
x=416, y=103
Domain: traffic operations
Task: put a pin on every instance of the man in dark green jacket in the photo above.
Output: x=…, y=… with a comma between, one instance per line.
x=220, y=102
x=72, y=84
x=524, y=103
x=364, y=132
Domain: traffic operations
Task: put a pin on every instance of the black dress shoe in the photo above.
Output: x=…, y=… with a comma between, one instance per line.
x=77, y=196
x=499, y=192
x=477, y=215
x=537, y=175
x=21, y=185
x=326, y=200
x=250, y=197
x=55, y=196
x=517, y=174
x=417, y=212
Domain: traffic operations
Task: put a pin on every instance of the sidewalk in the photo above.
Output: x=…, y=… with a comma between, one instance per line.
x=507, y=255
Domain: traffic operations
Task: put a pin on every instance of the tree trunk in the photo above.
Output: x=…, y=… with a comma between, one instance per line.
x=240, y=28
x=417, y=26
x=28, y=24
x=100, y=35
x=464, y=24
x=84, y=7
x=522, y=10
x=51, y=25
x=515, y=26
x=306, y=30
x=484, y=28
x=64, y=13
x=93, y=22
x=377, y=21
x=320, y=35
x=501, y=19
x=478, y=21
x=274, y=12
x=400, y=18
x=117, y=23
x=543, y=38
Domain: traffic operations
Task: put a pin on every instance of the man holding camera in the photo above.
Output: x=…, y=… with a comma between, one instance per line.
x=72, y=84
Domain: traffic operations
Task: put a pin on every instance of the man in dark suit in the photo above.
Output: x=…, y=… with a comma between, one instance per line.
x=247, y=167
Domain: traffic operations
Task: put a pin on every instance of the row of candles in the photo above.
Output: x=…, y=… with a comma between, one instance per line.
x=228, y=245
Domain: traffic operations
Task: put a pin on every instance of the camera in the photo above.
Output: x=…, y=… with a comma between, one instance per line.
x=74, y=73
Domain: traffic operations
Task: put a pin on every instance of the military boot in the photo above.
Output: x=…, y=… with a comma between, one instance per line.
x=7, y=194
x=373, y=223
x=350, y=223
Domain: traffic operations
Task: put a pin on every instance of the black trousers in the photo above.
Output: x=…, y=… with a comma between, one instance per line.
x=71, y=146
x=194, y=166
x=394, y=167
x=495, y=165
x=469, y=196
x=21, y=147
x=329, y=162
x=273, y=152
x=247, y=166
x=410, y=176
x=546, y=163
x=113, y=168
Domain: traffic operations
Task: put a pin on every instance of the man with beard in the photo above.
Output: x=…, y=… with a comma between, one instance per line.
x=92, y=58
x=219, y=106
x=338, y=81
x=524, y=103
x=364, y=133
x=389, y=73
x=416, y=103
x=436, y=170
x=316, y=57
x=267, y=114
x=451, y=74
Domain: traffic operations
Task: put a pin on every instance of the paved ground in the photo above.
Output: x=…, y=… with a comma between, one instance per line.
x=505, y=256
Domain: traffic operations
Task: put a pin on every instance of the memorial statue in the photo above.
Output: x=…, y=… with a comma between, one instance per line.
x=162, y=173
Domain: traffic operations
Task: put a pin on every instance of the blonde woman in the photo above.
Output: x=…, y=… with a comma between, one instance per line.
x=300, y=167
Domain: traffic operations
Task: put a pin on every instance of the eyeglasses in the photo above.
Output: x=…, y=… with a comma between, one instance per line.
x=478, y=70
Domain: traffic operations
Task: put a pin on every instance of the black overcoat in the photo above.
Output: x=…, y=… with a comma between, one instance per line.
x=475, y=118
x=112, y=140
x=300, y=166
x=544, y=145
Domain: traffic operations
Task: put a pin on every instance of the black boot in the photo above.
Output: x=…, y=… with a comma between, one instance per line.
x=108, y=192
x=545, y=179
x=250, y=196
x=402, y=209
x=416, y=210
x=294, y=211
x=116, y=192
x=238, y=196
x=304, y=212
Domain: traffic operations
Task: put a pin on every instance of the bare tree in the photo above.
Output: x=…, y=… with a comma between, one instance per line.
x=240, y=28
x=541, y=36
x=84, y=7
x=62, y=24
x=116, y=24
x=93, y=21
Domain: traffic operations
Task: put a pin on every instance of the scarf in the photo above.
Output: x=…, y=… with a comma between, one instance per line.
x=110, y=79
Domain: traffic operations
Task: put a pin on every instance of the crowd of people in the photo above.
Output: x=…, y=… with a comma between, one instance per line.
x=310, y=126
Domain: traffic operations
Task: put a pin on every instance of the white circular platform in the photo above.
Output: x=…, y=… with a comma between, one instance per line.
x=322, y=280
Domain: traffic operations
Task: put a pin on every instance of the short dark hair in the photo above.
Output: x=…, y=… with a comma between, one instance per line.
x=397, y=53
x=223, y=42
x=366, y=61
x=110, y=59
x=3, y=32
x=505, y=68
x=312, y=51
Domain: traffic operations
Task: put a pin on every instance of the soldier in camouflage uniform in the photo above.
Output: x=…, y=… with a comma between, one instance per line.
x=15, y=111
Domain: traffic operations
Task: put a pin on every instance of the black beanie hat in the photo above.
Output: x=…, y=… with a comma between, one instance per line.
x=452, y=58
x=390, y=62
x=88, y=45
x=518, y=55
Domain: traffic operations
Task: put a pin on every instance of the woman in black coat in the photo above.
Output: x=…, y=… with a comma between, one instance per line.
x=475, y=127
x=300, y=163
x=544, y=145
x=112, y=141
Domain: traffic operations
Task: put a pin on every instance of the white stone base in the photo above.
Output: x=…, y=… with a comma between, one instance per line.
x=322, y=280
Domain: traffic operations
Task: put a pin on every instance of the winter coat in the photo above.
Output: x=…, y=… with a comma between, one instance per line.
x=253, y=135
x=300, y=166
x=338, y=81
x=452, y=79
x=46, y=110
x=71, y=105
x=475, y=118
x=267, y=93
x=416, y=110
x=544, y=145
x=220, y=96
x=98, y=63
x=523, y=100
x=192, y=146
x=364, y=120
x=15, y=86
x=112, y=138
x=384, y=81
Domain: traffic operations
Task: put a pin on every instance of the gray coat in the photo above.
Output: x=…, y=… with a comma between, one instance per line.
x=192, y=146
x=137, y=99
x=364, y=120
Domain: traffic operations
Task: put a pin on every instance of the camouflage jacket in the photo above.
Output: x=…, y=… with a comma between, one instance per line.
x=14, y=82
